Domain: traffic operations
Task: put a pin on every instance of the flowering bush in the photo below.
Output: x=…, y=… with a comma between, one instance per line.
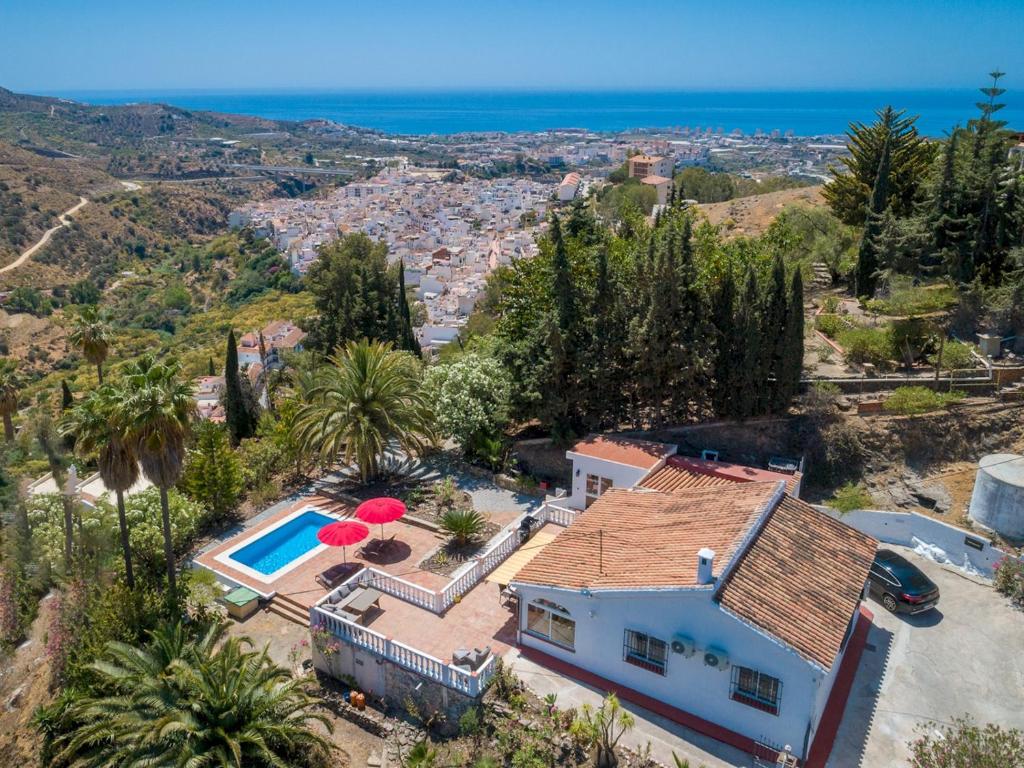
x=66, y=621
x=10, y=622
x=99, y=527
x=469, y=396
x=325, y=641
x=1009, y=578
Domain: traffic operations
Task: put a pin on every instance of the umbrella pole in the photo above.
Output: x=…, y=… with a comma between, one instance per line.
x=344, y=555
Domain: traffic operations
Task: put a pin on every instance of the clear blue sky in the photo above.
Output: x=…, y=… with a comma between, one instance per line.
x=65, y=45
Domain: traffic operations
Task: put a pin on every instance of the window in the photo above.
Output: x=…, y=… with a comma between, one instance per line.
x=551, y=621
x=645, y=651
x=596, y=486
x=756, y=689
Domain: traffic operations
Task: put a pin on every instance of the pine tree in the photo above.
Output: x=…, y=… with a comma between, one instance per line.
x=947, y=221
x=213, y=473
x=407, y=336
x=237, y=412
x=867, y=256
x=791, y=361
x=602, y=369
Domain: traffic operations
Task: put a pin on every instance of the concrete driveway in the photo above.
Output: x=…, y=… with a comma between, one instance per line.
x=964, y=657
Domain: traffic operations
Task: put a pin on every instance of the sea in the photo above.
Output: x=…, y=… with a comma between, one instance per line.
x=804, y=113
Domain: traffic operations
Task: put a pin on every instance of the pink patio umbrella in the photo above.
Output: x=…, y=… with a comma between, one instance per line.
x=342, y=534
x=383, y=509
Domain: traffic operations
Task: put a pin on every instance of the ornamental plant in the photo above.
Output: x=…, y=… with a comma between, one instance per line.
x=470, y=398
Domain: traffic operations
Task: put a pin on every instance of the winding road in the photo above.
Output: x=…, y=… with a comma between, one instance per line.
x=65, y=220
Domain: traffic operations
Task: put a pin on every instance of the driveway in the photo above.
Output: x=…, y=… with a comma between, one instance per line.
x=963, y=657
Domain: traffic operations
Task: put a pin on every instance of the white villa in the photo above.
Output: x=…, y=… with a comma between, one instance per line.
x=721, y=601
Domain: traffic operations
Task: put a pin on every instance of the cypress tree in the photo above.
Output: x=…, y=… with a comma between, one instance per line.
x=792, y=359
x=751, y=378
x=728, y=346
x=867, y=256
x=407, y=336
x=67, y=401
x=562, y=287
x=210, y=368
x=773, y=335
x=237, y=413
x=557, y=391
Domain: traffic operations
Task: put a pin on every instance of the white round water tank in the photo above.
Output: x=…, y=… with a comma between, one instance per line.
x=998, y=499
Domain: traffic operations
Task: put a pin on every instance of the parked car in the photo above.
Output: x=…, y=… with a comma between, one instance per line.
x=900, y=585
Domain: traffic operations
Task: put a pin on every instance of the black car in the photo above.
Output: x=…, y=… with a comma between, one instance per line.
x=899, y=584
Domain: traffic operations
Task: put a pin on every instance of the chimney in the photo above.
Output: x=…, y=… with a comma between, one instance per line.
x=705, y=564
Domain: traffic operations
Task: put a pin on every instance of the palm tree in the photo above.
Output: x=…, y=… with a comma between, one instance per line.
x=91, y=334
x=97, y=422
x=369, y=397
x=186, y=702
x=156, y=410
x=10, y=386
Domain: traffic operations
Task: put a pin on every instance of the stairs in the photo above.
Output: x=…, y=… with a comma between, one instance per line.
x=822, y=277
x=290, y=609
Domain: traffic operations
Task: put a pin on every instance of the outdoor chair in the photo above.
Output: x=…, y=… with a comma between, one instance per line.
x=336, y=574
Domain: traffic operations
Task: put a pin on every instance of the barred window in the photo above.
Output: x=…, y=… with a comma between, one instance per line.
x=642, y=650
x=756, y=689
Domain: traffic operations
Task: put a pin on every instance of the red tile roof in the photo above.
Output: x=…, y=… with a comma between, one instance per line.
x=642, y=539
x=643, y=454
x=801, y=580
x=682, y=472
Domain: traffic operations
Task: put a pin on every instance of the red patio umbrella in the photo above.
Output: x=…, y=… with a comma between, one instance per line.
x=383, y=509
x=342, y=534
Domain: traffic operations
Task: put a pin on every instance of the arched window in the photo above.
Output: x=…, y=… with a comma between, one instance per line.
x=550, y=621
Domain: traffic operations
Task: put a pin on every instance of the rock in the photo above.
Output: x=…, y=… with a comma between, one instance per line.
x=14, y=700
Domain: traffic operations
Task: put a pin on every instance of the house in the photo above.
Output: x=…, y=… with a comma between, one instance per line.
x=207, y=394
x=569, y=187
x=661, y=185
x=642, y=166
x=89, y=491
x=279, y=336
x=714, y=593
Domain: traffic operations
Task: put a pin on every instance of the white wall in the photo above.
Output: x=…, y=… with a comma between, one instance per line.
x=621, y=475
x=909, y=529
x=690, y=685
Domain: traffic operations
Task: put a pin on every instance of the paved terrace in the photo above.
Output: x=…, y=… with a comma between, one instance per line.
x=478, y=619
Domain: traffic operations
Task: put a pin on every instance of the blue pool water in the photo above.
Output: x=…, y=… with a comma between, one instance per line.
x=276, y=549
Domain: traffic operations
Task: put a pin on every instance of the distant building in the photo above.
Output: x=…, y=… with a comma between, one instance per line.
x=278, y=336
x=660, y=184
x=642, y=166
x=569, y=187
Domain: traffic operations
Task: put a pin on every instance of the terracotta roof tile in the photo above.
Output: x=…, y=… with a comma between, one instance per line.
x=801, y=579
x=643, y=454
x=682, y=472
x=642, y=539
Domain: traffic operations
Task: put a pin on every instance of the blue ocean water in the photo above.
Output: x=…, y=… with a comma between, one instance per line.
x=806, y=113
x=276, y=549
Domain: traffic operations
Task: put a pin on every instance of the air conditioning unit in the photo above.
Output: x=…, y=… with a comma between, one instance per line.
x=684, y=645
x=716, y=658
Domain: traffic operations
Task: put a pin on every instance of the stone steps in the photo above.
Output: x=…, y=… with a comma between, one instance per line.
x=288, y=608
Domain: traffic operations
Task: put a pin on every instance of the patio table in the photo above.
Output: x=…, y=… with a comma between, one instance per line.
x=366, y=599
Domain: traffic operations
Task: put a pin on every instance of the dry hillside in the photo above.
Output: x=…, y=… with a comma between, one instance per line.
x=751, y=216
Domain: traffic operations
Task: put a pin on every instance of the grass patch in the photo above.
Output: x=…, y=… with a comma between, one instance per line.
x=907, y=401
x=850, y=497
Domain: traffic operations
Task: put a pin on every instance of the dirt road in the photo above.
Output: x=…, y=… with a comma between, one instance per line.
x=64, y=221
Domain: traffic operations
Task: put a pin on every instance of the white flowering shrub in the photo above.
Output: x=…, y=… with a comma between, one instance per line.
x=99, y=530
x=469, y=396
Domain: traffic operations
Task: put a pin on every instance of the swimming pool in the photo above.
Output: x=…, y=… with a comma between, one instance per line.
x=279, y=546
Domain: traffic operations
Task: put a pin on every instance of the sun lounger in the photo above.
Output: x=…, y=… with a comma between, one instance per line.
x=336, y=574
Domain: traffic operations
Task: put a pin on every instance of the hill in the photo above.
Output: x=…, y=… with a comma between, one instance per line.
x=750, y=216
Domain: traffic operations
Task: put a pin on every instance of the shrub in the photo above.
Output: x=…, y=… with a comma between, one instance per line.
x=841, y=451
x=963, y=744
x=850, y=497
x=907, y=299
x=867, y=345
x=906, y=401
x=820, y=399
x=1009, y=578
x=831, y=304
x=463, y=525
x=956, y=356
x=830, y=324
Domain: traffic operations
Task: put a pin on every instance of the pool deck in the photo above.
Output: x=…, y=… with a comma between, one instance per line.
x=411, y=544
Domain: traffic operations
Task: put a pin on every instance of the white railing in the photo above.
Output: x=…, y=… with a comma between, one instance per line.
x=400, y=588
x=559, y=515
x=423, y=664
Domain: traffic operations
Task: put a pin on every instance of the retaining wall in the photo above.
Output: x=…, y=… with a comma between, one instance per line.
x=963, y=548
